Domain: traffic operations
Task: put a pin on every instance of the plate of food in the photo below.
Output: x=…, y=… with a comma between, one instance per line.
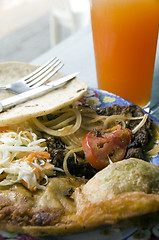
x=77, y=162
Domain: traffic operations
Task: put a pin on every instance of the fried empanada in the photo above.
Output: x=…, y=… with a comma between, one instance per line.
x=44, y=212
x=126, y=190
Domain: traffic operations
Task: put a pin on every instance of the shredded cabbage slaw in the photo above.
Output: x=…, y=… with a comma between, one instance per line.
x=23, y=158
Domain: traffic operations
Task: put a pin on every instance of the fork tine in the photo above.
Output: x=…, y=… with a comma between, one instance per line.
x=50, y=65
x=48, y=76
x=37, y=79
x=37, y=70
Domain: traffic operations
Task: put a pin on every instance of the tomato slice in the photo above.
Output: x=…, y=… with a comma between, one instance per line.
x=104, y=145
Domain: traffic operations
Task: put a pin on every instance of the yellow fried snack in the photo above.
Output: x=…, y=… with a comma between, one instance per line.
x=122, y=191
x=44, y=212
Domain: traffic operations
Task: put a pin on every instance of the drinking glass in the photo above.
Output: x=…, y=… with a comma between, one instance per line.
x=125, y=36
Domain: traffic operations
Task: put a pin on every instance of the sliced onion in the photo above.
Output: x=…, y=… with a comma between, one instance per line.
x=63, y=131
x=140, y=124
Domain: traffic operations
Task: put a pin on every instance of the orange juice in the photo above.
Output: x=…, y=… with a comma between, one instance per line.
x=125, y=38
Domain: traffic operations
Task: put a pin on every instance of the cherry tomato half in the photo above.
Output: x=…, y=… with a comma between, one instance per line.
x=103, y=145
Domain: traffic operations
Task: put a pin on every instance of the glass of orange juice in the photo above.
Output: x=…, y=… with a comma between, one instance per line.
x=125, y=36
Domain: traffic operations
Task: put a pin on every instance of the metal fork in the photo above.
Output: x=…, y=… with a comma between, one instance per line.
x=36, y=78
